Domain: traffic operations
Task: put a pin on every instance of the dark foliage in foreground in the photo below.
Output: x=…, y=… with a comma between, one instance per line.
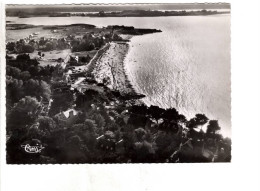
x=101, y=127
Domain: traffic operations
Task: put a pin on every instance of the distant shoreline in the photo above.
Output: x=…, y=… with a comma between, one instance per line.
x=125, y=13
x=59, y=31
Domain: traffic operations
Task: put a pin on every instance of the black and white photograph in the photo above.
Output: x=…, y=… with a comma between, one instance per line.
x=129, y=95
x=127, y=83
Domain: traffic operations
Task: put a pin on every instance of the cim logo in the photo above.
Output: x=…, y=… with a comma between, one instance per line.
x=32, y=149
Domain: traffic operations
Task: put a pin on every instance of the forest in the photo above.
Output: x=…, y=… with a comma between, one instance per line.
x=98, y=126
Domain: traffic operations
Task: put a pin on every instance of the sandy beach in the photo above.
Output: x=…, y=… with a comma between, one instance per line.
x=110, y=68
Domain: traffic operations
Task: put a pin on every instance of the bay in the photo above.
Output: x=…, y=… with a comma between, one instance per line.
x=186, y=66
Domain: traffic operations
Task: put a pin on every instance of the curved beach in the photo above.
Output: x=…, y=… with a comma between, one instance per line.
x=110, y=67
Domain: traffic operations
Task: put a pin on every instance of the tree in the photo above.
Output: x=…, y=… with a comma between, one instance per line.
x=25, y=112
x=74, y=43
x=33, y=132
x=42, y=42
x=75, y=151
x=23, y=57
x=91, y=47
x=99, y=120
x=37, y=88
x=156, y=112
x=75, y=141
x=90, y=125
x=137, y=120
x=46, y=124
x=182, y=119
x=49, y=46
x=27, y=49
x=172, y=114
x=85, y=59
x=10, y=46
x=170, y=126
x=199, y=119
x=143, y=152
x=14, y=90
x=34, y=70
x=25, y=75
x=23, y=62
x=13, y=71
x=213, y=127
x=139, y=109
x=86, y=131
x=109, y=135
x=140, y=134
x=44, y=89
x=101, y=13
x=89, y=138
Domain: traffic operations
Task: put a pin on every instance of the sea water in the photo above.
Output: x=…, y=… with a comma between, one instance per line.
x=187, y=66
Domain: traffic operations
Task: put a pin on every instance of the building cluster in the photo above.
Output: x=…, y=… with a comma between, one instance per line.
x=87, y=42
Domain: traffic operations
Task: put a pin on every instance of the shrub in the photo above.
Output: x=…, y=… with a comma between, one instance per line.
x=27, y=49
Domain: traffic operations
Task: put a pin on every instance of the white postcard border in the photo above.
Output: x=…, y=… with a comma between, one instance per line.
x=241, y=174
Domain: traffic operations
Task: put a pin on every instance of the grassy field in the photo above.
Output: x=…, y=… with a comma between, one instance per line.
x=14, y=35
x=54, y=54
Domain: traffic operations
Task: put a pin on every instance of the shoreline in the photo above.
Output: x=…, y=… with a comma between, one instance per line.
x=110, y=68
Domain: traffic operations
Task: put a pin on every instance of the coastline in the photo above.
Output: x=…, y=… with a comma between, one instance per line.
x=110, y=68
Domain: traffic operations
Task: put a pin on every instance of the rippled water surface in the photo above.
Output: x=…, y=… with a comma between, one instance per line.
x=186, y=66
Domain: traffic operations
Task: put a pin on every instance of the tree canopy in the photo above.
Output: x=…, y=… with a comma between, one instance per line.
x=24, y=112
x=213, y=127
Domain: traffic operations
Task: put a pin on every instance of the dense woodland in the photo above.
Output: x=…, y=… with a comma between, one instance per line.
x=105, y=129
